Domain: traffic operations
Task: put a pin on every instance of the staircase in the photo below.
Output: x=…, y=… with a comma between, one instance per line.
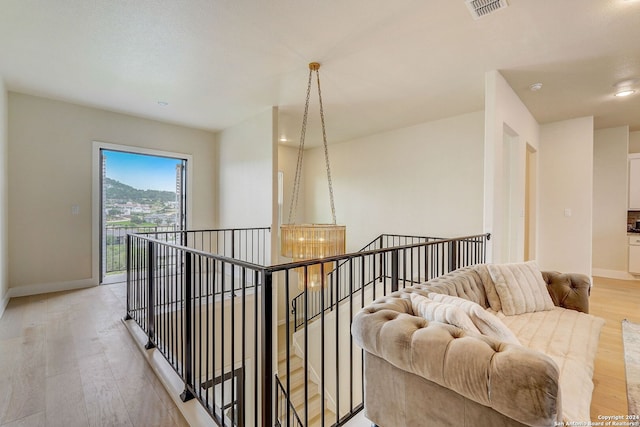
x=314, y=404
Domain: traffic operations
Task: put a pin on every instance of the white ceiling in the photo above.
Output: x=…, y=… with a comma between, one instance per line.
x=385, y=64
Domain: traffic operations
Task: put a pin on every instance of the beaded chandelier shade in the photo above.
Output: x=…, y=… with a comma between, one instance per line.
x=312, y=241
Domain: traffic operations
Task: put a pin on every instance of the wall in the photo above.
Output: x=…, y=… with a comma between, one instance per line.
x=247, y=168
x=610, y=187
x=50, y=169
x=509, y=128
x=634, y=142
x=4, y=188
x=421, y=180
x=566, y=195
x=245, y=157
x=287, y=160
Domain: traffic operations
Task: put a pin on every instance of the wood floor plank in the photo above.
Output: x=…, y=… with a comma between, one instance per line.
x=61, y=356
x=35, y=420
x=65, y=400
x=22, y=393
x=105, y=406
x=143, y=404
x=11, y=325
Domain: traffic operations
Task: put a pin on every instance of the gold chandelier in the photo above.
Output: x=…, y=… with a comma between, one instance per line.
x=312, y=241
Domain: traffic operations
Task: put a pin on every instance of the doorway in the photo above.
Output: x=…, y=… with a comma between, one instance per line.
x=531, y=167
x=519, y=199
x=140, y=192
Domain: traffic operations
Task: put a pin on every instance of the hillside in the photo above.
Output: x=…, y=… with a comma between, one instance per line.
x=117, y=191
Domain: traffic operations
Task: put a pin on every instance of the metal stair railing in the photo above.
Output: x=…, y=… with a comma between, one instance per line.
x=335, y=294
x=205, y=301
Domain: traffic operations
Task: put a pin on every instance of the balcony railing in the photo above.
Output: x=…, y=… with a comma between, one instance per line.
x=115, y=245
x=206, y=301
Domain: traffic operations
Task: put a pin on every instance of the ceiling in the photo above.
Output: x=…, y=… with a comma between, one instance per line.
x=385, y=64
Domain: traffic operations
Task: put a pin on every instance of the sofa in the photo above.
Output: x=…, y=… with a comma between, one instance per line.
x=526, y=358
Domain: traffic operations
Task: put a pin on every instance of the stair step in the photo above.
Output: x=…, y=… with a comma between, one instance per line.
x=329, y=419
x=297, y=392
x=294, y=363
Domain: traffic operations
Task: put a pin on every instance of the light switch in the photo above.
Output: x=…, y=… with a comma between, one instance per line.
x=567, y=212
x=75, y=210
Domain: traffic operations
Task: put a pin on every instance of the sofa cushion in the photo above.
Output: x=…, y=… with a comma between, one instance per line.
x=441, y=312
x=520, y=287
x=487, y=323
x=570, y=339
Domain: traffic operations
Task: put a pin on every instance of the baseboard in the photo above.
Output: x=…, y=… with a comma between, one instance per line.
x=4, y=302
x=284, y=321
x=613, y=274
x=45, y=288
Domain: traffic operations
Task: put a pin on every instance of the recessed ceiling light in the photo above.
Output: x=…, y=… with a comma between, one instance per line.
x=163, y=103
x=625, y=87
x=283, y=139
x=625, y=92
x=535, y=87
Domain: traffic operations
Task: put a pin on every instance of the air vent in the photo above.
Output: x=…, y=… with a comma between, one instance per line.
x=480, y=8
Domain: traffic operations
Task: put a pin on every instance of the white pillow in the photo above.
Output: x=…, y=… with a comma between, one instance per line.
x=440, y=312
x=487, y=323
x=489, y=287
x=520, y=287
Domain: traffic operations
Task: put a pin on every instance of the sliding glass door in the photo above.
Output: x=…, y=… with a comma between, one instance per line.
x=139, y=193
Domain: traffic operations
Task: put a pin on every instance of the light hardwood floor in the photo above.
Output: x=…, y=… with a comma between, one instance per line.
x=612, y=300
x=67, y=360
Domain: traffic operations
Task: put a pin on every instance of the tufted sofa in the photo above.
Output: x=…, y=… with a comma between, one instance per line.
x=427, y=373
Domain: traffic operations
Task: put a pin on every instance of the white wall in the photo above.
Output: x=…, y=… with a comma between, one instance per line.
x=566, y=195
x=634, y=142
x=247, y=167
x=509, y=128
x=420, y=180
x=287, y=160
x=246, y=173
x=50, y=169
x=610, y=186
x=4, y=240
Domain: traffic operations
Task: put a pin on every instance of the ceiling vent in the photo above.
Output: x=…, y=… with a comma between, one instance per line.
x=480, y=8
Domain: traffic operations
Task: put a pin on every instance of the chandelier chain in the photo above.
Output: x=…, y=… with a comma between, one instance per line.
x=326, y=151
x=296, y=181
x=298, y=176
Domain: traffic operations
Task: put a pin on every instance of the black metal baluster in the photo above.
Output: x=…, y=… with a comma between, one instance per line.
x=150, y=297
x=188, y=327
x=267, y=350
x=394, y=270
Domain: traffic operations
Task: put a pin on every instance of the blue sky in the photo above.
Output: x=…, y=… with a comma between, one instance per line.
x=142, y=171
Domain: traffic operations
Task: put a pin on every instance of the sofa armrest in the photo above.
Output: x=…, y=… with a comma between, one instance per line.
x=568, y=290
x=513, y=380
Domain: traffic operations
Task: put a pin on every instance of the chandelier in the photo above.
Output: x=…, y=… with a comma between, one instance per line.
x=312, y=241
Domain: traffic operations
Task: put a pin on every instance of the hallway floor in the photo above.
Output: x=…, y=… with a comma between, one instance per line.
x=67, y=360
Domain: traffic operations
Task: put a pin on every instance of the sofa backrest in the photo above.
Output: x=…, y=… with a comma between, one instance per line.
x=567, y=290
x=464, y=283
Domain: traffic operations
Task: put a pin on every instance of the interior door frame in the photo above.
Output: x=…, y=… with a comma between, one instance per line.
x=530, y=207
x=96, y=193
